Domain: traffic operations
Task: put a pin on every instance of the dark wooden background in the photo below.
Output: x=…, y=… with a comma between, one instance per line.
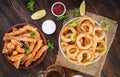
x=15, y=11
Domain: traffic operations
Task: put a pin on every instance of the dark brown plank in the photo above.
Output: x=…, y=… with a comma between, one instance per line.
x=15, y=11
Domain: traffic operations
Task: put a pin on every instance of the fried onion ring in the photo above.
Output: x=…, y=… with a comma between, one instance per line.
x=85, y=57
x=72, y=60
x=72, y=51
x=84, y=41
x=87, y=28
x=86, y=18
x=101, y=48
x=64, y=33
x=83, y=20
x=93, y=47
x=98, y=33
x=64, y=45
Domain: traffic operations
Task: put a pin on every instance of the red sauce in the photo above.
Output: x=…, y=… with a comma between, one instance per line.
x=58, y=9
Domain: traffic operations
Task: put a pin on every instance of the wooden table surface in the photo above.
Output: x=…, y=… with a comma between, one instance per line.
x=15, y=11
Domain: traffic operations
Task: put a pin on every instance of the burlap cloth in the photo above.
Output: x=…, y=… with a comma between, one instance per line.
x=95, y=69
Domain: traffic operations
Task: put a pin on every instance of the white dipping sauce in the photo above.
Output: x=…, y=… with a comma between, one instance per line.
x=49, y=26
x=77, y=76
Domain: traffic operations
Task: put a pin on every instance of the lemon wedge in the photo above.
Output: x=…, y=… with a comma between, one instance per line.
x=82, y=8
x=38, y=14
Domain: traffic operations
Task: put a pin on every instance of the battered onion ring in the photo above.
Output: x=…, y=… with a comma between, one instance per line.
x=87, y=28
x=67, y=30
x=93, y=47
x=84, y=41
x=98, y=33
x=68, y=35
x=72, y=51
x=64, y=45
x=89, y=57
x=72, y=60
x=86, y=18
x=100, y=52
x=83, y=20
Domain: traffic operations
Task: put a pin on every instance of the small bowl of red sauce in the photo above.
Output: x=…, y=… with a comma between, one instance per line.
x=58, y=9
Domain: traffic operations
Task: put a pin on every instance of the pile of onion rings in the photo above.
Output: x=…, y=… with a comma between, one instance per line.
x=83, y=41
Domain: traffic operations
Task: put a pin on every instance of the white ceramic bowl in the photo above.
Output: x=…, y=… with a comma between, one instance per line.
x=54, y=5
x=48, y=27
x=59, y=41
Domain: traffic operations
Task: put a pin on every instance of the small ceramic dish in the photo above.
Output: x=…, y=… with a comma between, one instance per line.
x=58, y=9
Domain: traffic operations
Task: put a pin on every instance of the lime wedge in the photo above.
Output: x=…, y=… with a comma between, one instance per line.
x=82, y=8
x=38, y=14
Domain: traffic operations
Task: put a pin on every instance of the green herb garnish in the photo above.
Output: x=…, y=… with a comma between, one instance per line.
x=30, y=5
x=107, y=24
x=83, y=60
x=32, y=33
x=101, y=48
x=50, y=45
x=89, y=65
x=73, y=38
x=28, y=51
x=75, y=13
x=61, y=18
x=73, y=23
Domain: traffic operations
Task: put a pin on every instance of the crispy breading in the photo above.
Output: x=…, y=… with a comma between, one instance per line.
x=37, y=34
x=19, y=38
x=14, y=52
x=27, y=57
x=37, y=47
x=40, y=52
x=34, y=51
x=32, y=45
x=28, y=62
x=25, y=35
x=16, y=57
x=16, y=42
x=16, y=64
x=14, y=29
x=21, y=30
x=27, y=44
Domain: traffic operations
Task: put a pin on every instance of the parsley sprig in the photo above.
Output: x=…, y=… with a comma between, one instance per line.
x=30, y=5
x=84, y=60
x=73, y=23
x=50, y=44
x=107, y=24
x=28, y=51
x=73, y=38
x=32, y=33
x=61, y=18
x=101, y=48
x=75, y=13
x=91, y=64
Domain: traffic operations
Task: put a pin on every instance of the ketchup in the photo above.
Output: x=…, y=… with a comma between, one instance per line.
x=58, y=9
